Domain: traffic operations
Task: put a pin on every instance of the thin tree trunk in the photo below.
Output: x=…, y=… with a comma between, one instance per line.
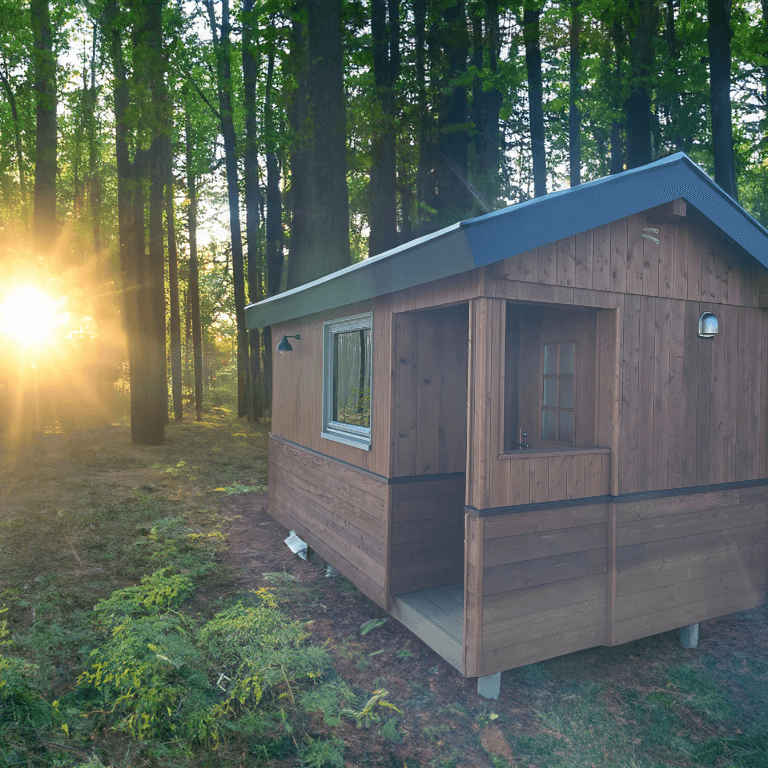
x=531, y=35
x=222, y=48
x=17, y=141
x=719, y=41
x=173, y=286
x=574, y=114
x=645, y=15
x=194, y=286
x=44, y=66
x=250, y=73
x=425, y=161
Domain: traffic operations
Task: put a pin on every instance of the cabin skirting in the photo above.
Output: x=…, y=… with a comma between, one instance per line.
x=540, y=584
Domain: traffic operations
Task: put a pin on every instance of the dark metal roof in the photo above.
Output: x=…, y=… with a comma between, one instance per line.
x=501, y=234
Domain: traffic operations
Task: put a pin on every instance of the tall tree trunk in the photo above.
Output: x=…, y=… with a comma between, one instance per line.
x=531, y=36
x=574, y=114
x=173, y=286
x=644, y=19
x=425, y=163
x=222, y=47
x=274, y=256
x=44, y=66
x=455, y=198
x=17, y=142
x=194, y=285
x=490, y=151
x=94, y=182
x=250, y=73
x=324, y=247
x=617, y=145
x=719, y=40
x=383, y=180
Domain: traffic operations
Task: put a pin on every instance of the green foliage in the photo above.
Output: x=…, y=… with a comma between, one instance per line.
x=329, y=698
x=368, y=715
x=323, y=753
x=370, y=625
x=390, y=731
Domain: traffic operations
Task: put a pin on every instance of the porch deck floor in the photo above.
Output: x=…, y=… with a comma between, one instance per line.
x=437, y=617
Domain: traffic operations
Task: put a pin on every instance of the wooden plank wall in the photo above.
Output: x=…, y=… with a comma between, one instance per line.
x=338, y=510
x=427, y=540
x=685, y=559
x=297, y=391
x=544, y=587
x=430, y=391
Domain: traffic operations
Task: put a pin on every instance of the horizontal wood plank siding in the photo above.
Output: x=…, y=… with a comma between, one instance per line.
x=337, y=510
x=686, y=559
x=544, y=585
x=427, y=539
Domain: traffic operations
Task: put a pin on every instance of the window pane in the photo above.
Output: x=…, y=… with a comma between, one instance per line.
x=567, y=358
x=567, y=428
x=550, y=392
x=549, y=425
x=566, y=392
x=352, y=377
x=550, y=359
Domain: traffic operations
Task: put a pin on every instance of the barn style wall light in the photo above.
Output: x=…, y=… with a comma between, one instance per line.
x=285, y=345
x=708, y=325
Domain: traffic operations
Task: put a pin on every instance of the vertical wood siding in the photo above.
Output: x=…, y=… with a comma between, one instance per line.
x=338, y=510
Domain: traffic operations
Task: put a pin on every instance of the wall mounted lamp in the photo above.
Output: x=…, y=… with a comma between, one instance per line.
x=285, y=345
x=708, y=325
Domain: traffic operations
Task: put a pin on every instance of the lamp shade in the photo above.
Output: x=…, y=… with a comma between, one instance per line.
x=284, y=345
x=708, y=325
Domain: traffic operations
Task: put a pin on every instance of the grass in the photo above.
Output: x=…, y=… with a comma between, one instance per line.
x=126, y=641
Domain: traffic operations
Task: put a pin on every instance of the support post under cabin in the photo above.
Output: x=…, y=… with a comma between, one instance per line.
x=689, y=636
x=489, y=686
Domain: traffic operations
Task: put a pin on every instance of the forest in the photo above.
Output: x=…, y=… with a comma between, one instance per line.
x=163, y=164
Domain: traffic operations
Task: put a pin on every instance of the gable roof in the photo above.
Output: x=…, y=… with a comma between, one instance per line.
x=496, y=236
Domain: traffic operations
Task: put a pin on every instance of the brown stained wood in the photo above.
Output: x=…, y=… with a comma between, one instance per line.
x=721, y=276
x=635, y=224
x=616, y=397
x=519, y=481
x=676, y=411
x=473, y=595
x=531, y=573
x=601, y=259
x=707, y=588
x=611, y=577
x=704, y=407
x=515, y=631
x=690, y=385
x=566, y=262
x=708, y=278
x=546, y=264
x=666, y=212
x=680, y=275
x=428, y=488
x=646, y=401
x=594, y=483
x=730, y=333
x=663, y=574
x=651, y=258
x=757, y=494
x=675, y=526
x=660, y=450
x=666, y=254
x=532, y=651
x=717, y=411
x=714, y=543
x=763, y=423
x=564, y=294
x=575, y=476
x=532, y=546
x=694, y=259
x=734, y=281
x=532, y=601
x=755, y=405
x=741, y=394
x=652, y=508
x=429, y=355
x=630, y=399
x=584, y=259
x=558, y=466
x=498, y=478
x=548, y=520
x=447, y=526
x=539, y=480
x=691, y=613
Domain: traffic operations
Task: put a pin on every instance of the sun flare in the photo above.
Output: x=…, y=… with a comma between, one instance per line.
x=28, y=315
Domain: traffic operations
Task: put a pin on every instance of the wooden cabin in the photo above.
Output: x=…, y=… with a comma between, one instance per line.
x=512, y=435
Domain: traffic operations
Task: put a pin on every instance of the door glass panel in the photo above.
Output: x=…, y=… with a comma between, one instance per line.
x=550, y=393
x=567, y=358
x=566, y=391
x=567, y=427
x=550, y=359
x=549, y=425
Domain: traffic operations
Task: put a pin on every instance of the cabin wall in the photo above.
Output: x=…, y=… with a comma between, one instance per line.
x=339, y=510
x=297, y=387
x=542, y=583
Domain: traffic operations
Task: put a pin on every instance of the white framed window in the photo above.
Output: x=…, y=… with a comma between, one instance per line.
x=347, y=375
